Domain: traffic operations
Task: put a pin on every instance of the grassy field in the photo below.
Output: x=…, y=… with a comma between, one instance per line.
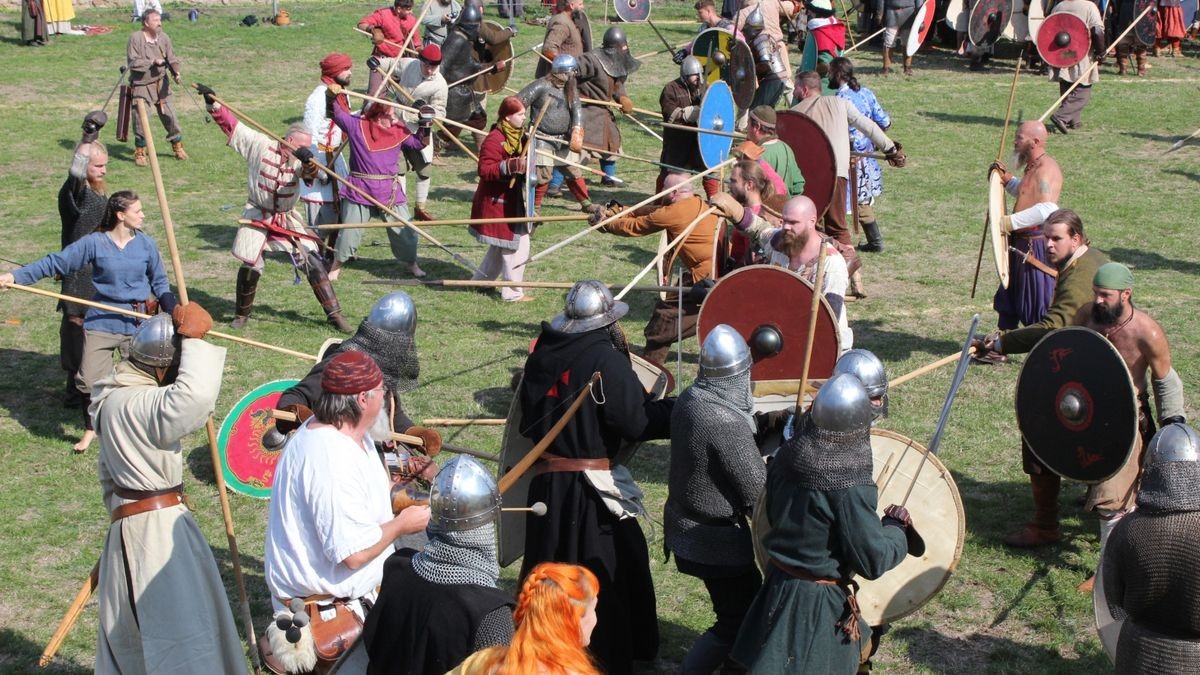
x=1003, y=611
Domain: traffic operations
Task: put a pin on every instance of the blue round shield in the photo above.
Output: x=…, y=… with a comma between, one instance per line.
x=717, y=113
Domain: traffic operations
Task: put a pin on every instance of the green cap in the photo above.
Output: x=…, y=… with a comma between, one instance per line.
x=1113, y=276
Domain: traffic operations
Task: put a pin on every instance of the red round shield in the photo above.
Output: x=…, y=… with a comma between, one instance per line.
x=1063, y=40
x=761, y=296
x=814, y=155
x=988, y=19
x=249, y=466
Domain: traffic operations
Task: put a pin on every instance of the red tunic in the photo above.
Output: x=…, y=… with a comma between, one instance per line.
x=494, y=198
x=394, y=28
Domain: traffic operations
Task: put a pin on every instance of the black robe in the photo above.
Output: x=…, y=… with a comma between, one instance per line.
x=578, y=528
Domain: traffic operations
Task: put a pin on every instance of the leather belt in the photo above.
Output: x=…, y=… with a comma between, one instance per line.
x=554, y=464
x=1027, y=234
x=801, y=573
x=848, y=623
x=146, y=500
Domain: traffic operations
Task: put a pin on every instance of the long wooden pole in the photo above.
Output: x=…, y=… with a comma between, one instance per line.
x=528, y=138
x=1096, y=63
x=390, y=42
x=72, y=615
x=863, y=41
x=401, y=106
x=615, y=153
x=417, y=441
x=675, y=243
x=569, y=218
x=1012, y=95
x=465, y=421
x=214, y=452
x=342, y=181
x=577, y=165
x=627, y=211
x=812, y=329
x=485, y=283
x=698, y=130
x=509, y=479
x=927, y=368
x=1183, y=141
x=453, y=137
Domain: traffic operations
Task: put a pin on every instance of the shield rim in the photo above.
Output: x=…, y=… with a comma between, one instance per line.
x=997, y=207
x=530, y=182
x=751, y=81
x=702, y=329
x=822, y=201
x=1128, y=380
x=725, y=141
x=235, y=414
x=478, y=85
x=918, y=36
x=704, y=59
x=808, y=55
x=627, y=19
x=1047, y=50
x=978, y=8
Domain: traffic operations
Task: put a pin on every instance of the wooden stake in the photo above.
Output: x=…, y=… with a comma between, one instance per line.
x=812, y=329
x=214, y=453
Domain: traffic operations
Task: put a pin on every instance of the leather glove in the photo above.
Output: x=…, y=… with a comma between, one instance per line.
x=432, y=439
x=301, y=411
x=999, y=166
x=425, y=116
x=691, y=114
x=576, y=144
x=897, y=516
x=729, y=207
x=93, y=122
x=373, y=63
x=191, y=320
x=679, y=56
x=305, y=155
x=699, y=291
x=207, y=92
x=626, y=104
x=513, y=166
x=377, y=36
x=896, y=157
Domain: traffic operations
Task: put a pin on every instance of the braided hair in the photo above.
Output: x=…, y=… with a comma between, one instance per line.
x=119, y=202
x=841, y=71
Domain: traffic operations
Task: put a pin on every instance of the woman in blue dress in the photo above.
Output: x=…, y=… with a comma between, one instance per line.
x=869, y=175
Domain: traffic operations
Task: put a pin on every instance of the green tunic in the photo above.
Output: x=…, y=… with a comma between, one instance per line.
x=1072, y=291
x=792, y=625
x=781, y=158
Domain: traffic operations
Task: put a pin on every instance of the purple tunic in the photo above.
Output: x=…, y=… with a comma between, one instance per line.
x=374, y=161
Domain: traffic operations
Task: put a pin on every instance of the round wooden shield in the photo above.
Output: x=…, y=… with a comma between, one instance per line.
x=814, y=155
x=740, y=74
x=957, y=15
x=1146, y=30
x=717, y=113
x=510, y=527
x=1037, y=15
x=996, y=210
x=988, y=20
x=937, y=513
x=727, y=59
x=248, y=466
x=760, y=296
x=1063, y=40
x=808, y=57
x=493, y=81
x=632, y=10
x=921, y=24
x=1077, y=406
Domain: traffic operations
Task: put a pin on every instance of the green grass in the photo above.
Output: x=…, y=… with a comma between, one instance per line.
x=1004, y=611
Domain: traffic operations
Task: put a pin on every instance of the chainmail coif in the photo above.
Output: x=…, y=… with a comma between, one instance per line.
x=1170, y=487
x=394, y=352
x=819, y=459
x=466, y=557
x=731, y=391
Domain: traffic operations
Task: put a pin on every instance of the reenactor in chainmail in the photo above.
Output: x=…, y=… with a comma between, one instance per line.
x=438, y=606
x=769, y=63
x=869, y=370
x=602, y=74
x=820, y=503
x=1149, y=562
x=554, y=99
x=716, y=475
x=467, y=37
x=387, y=335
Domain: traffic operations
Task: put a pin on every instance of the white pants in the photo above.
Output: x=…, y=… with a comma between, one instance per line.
x=503, y=262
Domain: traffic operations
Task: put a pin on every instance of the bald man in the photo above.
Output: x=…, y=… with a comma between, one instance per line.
x=1030, y=291
x=797, y=245
x=676, y=211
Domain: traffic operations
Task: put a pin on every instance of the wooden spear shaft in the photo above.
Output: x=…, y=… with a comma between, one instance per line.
x=417, y=441
x=401, y=106
x=675, y=243
x=214, y=453
x=139, y=315
x=698, y=130
x=1012, y=95
x=569, y=218
x=927, y=368
x=614, y=153
x=812, y=329
x=386, y=41
x=577, y=165
x=484, y=283
x=72, y=615
x=509, y=479
x=627, y=211
x=465, y=421
x=529, y=138
x=342, y=181
x=1096, y=63
x=453, y=137
x=863, y=41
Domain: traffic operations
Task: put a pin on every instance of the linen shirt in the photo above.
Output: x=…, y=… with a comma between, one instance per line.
x=394, y=28
x=325, y=135
x=328, y=500
x=122, y=276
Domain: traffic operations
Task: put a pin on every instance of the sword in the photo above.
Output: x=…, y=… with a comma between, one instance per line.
x=660, y=36
x=1027, y=257
x=964, y=359
x=120, y=79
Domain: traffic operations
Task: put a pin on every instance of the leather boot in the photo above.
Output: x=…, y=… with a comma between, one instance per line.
x=319, y=280
x=1122, y=60
x=1043, y=529
x=1141, y=64
x=177, y=148
x=874, y=238
x=139, y=157
x=419, y=213
x=247, y=286
x=908, y=65
x=887, y=60
x=857, y=288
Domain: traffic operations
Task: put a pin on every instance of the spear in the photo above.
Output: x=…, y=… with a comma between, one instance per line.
x=670, y=247
x=1180, y=143
x=488, y=69
x=288, y=416
x=484, y=283
x=463, y=221
x=387, y=78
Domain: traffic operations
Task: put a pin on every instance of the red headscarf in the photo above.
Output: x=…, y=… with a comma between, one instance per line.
x=333, y=64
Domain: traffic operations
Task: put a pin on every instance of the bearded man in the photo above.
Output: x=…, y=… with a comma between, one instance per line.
x=81, y=202
x=275, y=172
x=567, y=32
x=320, y=196
x=438, y=19
x=1030, y=290
x=156, y=567
x=748, y=185
x=469, y=38
x=563, y=124
x=150, y=57
x=680, y=104
x=602, y=74
x=390, y=27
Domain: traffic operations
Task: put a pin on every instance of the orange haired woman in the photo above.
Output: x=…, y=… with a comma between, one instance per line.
x=555, y=615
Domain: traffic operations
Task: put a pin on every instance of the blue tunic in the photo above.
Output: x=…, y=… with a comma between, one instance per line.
x=122, y=276
x=870, y=177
